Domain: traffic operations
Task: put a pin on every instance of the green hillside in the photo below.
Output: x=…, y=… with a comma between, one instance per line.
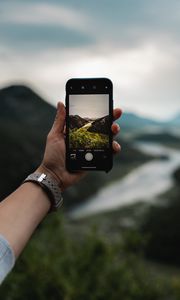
x=82, y=138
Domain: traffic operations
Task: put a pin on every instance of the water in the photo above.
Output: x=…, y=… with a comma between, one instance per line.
x=143, y=183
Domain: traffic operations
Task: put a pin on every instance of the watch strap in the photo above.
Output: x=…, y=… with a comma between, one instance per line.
x=50, y=186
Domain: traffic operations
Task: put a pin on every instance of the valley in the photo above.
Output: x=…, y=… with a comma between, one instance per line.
x=88, y=133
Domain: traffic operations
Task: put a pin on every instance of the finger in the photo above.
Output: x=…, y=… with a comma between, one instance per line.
x=115, y=128
x=116, y=146
x=117, y=112
x=59, y=121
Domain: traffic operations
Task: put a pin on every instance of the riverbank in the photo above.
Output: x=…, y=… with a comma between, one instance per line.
x=142, y=184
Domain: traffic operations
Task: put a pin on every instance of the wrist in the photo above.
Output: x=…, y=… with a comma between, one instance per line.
x=43, y=169
x=49, y=185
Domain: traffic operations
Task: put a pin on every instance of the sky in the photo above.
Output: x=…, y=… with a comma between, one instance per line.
x=91, y=106
x=135, y=43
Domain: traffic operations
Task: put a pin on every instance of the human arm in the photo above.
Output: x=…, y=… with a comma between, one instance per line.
x=24, y=209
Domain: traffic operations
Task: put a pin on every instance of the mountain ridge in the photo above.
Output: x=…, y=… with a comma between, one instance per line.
x=99, y=125
x=129, y=120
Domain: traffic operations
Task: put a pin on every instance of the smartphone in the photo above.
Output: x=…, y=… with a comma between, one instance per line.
x=89, y=116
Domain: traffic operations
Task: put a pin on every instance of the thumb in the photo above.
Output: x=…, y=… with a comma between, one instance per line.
x=59, y=121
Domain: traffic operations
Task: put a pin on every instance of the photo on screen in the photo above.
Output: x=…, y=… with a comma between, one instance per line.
x=89, y=121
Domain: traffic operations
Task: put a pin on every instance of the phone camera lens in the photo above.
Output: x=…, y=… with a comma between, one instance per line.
x=94, y=87
x=71, y=87
x=106, y=87
x=82, y=87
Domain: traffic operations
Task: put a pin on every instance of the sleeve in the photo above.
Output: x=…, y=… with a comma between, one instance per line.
x=7, y=258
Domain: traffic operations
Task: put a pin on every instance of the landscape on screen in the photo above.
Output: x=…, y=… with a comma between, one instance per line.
x=88, y=132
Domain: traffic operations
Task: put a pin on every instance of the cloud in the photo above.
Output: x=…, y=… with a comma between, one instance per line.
x=135, y=43
x=35, y=38
x=143, y=77
x=34, y=26
x=45, y=14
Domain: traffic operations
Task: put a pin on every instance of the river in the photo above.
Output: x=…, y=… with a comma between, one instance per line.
x=143, y=183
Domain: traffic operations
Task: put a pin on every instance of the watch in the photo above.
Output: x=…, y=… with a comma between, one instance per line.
x=50, y=186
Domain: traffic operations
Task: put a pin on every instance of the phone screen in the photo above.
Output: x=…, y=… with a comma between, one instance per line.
x=89, y=122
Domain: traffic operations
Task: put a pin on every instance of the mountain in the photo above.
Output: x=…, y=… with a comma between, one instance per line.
x=25, y=119
x=174, y=121
x=76, y=121
x=89, y=119
x=100, y=125
x=21, y=105
x=131, y=120
x=133, y=125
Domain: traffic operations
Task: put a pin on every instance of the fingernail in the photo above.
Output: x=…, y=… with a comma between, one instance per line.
x=117, y=146
x=58, y=105
x=118, y=127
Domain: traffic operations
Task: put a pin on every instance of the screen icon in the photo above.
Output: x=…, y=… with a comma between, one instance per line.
x=73, y=155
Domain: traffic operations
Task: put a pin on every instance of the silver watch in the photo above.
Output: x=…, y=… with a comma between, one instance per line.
x=50, y=186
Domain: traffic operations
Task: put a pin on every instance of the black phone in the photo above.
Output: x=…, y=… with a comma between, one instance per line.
x=89, y=116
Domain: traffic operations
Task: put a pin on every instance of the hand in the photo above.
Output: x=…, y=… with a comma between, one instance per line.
x=53, y=162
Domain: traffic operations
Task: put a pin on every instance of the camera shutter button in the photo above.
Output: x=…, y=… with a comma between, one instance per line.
x=88, y=156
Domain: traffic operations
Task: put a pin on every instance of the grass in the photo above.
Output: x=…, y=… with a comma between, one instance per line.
x=57, y=264
x=82, y=138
